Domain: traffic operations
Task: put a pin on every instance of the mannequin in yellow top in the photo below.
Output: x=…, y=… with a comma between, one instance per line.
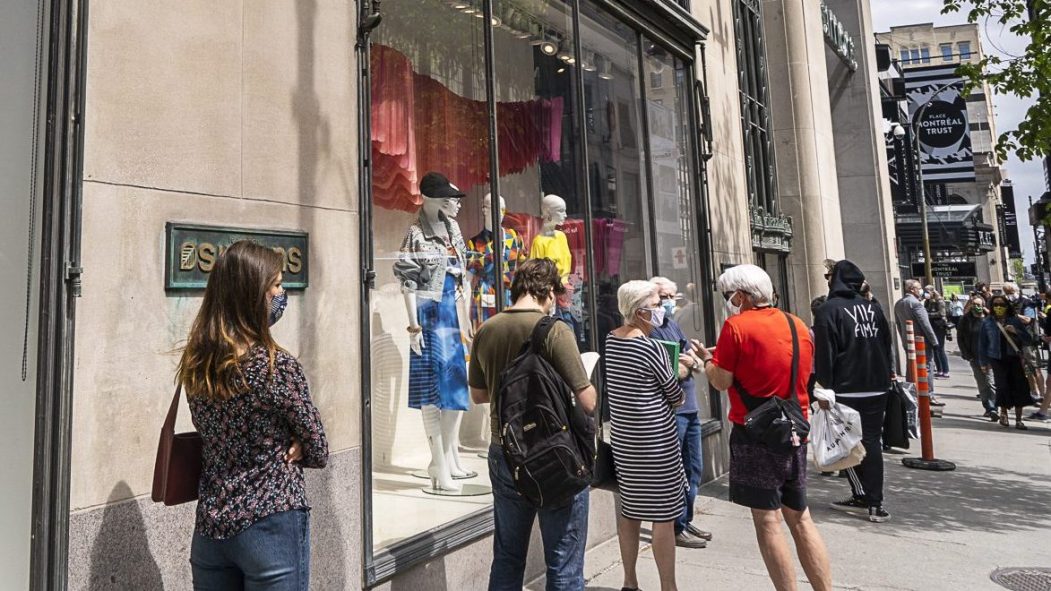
x=551, y=243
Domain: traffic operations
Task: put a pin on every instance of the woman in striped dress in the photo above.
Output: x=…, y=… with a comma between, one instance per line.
x=643, y=392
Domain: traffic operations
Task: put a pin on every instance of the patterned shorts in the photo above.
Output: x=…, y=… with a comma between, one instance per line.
x=764, y=479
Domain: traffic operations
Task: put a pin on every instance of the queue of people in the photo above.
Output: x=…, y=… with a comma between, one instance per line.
x=250, y=402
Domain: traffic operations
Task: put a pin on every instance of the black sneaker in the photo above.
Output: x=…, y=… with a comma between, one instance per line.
x=851, y=505
x=878, y=514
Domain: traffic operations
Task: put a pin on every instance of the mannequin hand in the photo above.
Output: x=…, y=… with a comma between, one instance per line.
x=416, y=343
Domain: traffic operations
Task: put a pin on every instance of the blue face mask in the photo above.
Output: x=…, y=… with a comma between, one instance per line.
x=277, y=307
x=669, y=307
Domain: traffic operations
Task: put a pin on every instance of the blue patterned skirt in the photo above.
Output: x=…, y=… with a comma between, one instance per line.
x=438, y=376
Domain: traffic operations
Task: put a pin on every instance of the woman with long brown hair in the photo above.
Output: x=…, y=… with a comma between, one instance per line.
x=250, y=402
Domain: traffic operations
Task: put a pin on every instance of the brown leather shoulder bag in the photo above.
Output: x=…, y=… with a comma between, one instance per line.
x=177, y=472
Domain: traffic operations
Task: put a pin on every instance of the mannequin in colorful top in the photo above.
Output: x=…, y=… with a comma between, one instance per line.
x=480, y=263
x=551, y=242
x=432, y=270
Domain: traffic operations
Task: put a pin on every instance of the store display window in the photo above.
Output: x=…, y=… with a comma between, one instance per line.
x=592, y=167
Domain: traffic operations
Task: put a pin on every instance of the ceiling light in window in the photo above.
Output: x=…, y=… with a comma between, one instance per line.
x=548, y=47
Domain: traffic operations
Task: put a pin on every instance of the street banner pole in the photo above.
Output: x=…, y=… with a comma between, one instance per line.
x=927, y=461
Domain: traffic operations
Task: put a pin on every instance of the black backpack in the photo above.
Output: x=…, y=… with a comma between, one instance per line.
x=548, y=440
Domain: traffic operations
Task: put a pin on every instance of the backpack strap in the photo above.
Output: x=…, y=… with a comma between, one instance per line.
x=753, y=402
x=540, y=332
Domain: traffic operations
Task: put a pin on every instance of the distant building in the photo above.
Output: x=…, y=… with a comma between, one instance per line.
x=958, y=174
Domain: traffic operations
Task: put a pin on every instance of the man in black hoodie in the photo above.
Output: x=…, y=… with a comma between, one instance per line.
x=853, y=356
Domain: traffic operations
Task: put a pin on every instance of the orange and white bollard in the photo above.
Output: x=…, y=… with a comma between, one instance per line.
x=927, y=461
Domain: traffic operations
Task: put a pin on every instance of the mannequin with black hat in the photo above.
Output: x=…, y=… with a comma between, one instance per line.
x=431, y=268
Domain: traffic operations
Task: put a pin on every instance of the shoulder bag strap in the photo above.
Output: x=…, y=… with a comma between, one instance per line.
x=173, y=412
x=792, y=392
x=1007, y=335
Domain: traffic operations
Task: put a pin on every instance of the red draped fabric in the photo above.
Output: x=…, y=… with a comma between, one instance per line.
x=419, y=125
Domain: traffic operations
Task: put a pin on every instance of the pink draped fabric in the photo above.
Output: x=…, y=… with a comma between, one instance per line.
x=419, y=125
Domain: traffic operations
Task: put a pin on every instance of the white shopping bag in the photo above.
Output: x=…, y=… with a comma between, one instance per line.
x=834, y=434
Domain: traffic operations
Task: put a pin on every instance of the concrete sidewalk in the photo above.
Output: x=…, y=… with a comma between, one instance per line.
x=949, y=530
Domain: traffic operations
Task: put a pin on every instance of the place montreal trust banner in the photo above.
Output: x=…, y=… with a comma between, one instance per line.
x=945, y=138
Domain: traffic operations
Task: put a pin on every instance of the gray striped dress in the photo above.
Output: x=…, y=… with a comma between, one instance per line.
x=642, y=393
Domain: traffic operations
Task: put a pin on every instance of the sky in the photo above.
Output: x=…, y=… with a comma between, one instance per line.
x=1027, y=177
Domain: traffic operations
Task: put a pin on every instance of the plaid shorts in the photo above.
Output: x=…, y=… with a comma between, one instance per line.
x=764, y=479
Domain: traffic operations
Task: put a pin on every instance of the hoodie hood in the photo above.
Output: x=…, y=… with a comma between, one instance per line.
x=846, y=279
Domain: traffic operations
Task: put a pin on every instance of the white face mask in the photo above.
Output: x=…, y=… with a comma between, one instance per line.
x=656, y=316
x=732, y=309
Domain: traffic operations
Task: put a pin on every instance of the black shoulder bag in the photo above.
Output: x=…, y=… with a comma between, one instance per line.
x=776, y=422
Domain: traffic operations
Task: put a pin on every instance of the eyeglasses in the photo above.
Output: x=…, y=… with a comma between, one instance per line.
x=828, y=276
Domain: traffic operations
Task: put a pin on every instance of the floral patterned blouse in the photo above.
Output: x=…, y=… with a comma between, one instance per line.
x=244, y=477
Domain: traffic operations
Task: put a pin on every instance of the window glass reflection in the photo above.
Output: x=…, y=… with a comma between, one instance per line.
x=675, y=213
x=429, y=115
x=540, y=180
x=616, y=167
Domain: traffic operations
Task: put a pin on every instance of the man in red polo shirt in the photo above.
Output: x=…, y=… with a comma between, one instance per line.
x=755, y=352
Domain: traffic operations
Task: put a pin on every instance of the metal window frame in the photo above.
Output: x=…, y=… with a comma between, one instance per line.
x=660, y=20
x=753, y=87
x=59, y=287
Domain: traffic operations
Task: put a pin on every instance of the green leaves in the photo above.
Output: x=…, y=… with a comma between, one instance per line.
x=1027, y=76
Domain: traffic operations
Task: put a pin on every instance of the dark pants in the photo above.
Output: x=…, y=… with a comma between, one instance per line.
x=984, y=380
x=941, y=360
x=866, y=479
x=273, y=554
x=689, y=430
x=564, y=531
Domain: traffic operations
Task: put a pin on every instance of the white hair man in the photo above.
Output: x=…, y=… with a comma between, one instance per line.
x=687, y=416
x=753, y=360
x=910, y=307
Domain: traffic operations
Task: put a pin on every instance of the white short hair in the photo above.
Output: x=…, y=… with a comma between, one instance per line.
x=1011, y=285
x=751, y=280
x=632, y=296
x=665, y=282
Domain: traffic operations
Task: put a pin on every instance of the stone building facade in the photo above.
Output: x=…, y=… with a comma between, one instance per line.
x=683, y=136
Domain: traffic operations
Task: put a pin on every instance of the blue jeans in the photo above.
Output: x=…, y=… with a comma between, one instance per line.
x=273, y=554
x=564, y=531
x=689, y=427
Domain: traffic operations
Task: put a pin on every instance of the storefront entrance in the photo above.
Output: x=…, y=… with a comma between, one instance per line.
x=571, y=128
